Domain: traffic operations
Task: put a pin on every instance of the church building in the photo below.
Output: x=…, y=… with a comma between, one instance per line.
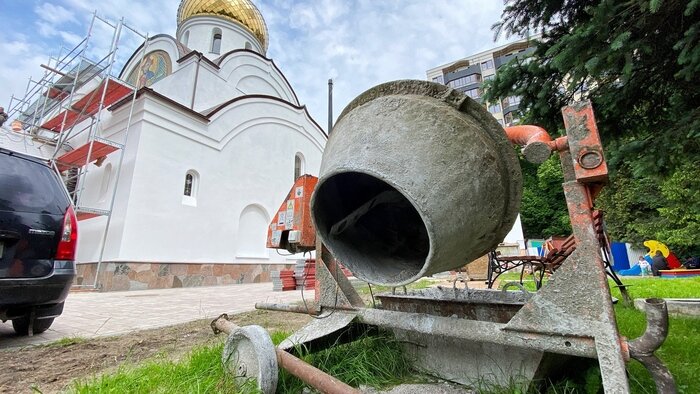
x=216, y=137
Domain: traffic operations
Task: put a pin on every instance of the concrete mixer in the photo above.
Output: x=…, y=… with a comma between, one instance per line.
x=416, y=179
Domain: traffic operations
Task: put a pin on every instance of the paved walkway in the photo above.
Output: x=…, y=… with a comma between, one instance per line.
x=92, y=314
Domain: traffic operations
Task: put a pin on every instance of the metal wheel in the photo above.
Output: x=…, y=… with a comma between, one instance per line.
x=250, y=354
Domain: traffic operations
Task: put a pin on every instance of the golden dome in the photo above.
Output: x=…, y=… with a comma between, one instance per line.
x=243, y=12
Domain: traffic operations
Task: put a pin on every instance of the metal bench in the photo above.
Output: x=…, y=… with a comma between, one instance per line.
x=538, y=265
x=555, y=256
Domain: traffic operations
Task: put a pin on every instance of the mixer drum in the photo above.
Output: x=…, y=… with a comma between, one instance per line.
x=416, y=178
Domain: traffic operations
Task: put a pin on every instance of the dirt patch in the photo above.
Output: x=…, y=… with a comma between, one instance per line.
x=51, y=368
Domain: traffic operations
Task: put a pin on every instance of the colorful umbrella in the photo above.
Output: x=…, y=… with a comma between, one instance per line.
x=656, y=245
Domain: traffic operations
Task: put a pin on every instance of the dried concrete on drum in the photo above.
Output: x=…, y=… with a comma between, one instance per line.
x=93, y=314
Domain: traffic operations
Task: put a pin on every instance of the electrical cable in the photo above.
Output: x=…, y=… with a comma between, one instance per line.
x=290, y=254
x=337, y=286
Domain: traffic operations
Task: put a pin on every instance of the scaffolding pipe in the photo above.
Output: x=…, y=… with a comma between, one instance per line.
x=53, y=70
x=118, y=171
x=96, y=123
x=85, y=42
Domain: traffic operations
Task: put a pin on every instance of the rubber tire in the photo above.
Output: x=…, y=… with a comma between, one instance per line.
x=21, y=325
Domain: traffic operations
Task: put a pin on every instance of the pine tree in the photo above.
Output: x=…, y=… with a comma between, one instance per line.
x=638, y=61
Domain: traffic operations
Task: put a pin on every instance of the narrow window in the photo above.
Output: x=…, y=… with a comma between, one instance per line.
x=189, y=182
x=216, y=41
x=186, y=38
x=248, y=46
x=189, y=196
x=298, y=165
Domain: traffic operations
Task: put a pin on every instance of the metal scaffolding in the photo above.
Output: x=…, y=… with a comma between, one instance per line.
x=64, y=110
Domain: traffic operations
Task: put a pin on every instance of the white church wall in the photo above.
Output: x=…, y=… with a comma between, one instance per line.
x=212, y=89
x=263, y=111
x=252, y=74
x=173, y=87
x=250, y=164
x=91, y=231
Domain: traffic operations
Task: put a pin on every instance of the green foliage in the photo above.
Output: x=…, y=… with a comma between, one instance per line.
x=543, y=208
x=644, y=207
x=638, y=61
x=680, y=212
x=631, y=205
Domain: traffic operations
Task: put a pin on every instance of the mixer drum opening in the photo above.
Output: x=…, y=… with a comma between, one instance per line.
x=416, y=179
x=375, y=231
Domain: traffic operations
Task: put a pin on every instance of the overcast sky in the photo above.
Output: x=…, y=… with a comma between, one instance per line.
x=358, y=43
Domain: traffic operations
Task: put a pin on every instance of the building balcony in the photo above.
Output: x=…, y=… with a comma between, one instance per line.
x=471, y=70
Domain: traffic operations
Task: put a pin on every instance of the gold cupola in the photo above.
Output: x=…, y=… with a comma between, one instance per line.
x=243, y=12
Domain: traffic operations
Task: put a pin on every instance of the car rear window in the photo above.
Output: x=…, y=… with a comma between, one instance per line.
x=27, y=186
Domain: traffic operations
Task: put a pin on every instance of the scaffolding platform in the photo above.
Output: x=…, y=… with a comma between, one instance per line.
x=88, y=106
x=84, y=213
x=56, y=94
x=79, y=157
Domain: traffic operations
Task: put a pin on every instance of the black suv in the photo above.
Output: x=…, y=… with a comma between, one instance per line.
x=38, y=238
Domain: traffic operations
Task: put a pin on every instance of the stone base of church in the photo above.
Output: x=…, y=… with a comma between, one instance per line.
x=119, y=276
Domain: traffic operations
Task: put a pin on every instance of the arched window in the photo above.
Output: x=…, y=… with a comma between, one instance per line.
x=298, y=165
x=189, y=196
x=186, y=38
x=248, y=46
x=216, y=41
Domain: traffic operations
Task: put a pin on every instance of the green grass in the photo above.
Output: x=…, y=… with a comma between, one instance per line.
x=67, y=341
x=377, y=361
x=528, y=282
x=417, y=285
x=651, y=287
x=679, y=352
x=200, y=372
x=647, y=287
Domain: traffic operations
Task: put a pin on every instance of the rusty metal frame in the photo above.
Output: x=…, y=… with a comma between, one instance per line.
x=572, y=315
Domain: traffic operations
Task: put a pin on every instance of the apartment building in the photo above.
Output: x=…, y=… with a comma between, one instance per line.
x=469, y=74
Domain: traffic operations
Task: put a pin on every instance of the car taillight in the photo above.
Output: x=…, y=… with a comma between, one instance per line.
x=69, y=237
